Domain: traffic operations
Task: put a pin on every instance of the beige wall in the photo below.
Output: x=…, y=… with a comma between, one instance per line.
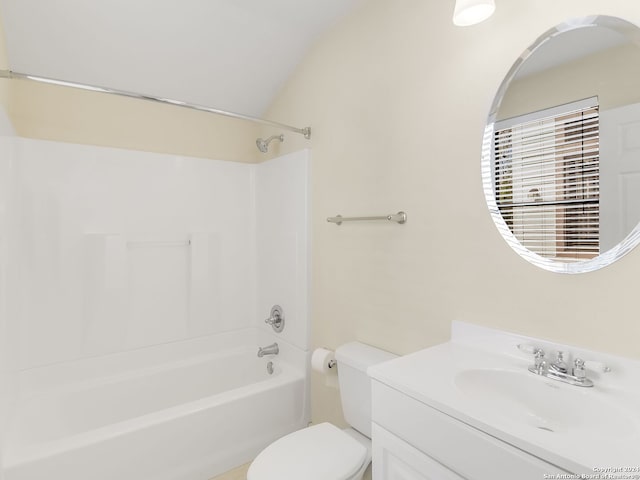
x=75, y=116
x=613, y=75
x=67, y=115
x=397, y=98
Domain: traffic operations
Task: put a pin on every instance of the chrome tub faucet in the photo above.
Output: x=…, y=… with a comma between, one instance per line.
x=268, y=350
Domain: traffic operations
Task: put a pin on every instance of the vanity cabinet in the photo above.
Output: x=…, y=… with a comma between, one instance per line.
x=395, y=459
x=413, y=441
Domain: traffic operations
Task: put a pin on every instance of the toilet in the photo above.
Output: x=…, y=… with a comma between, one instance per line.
x=324, y=451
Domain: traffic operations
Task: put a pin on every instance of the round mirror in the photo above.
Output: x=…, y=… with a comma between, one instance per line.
x=561, y=150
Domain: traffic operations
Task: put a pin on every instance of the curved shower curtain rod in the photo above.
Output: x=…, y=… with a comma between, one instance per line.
x=306, y=131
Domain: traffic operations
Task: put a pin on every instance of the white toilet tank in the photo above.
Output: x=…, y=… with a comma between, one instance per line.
x=355, y=385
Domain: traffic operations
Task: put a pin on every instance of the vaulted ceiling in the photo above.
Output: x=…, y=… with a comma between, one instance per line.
x=228, y=54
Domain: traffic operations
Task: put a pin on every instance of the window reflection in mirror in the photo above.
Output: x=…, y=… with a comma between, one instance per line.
x=546, y=177
x=561, y=160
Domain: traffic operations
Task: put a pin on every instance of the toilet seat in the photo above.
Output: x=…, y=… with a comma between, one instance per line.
x=320, y=452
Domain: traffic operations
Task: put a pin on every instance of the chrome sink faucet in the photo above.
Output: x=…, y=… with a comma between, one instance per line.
x=559, y=366
x=559, y=370
x=268, y=350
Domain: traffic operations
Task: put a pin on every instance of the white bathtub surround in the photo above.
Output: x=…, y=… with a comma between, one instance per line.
x=105, y=253
x=6, y=362
x=6, y=127
x=123, y=250
x=135, y=320
x=282, y=232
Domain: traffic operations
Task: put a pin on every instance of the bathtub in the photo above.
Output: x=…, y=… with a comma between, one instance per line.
x=190, y=418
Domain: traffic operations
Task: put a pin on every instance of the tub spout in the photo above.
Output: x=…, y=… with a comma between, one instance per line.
x=268, y=350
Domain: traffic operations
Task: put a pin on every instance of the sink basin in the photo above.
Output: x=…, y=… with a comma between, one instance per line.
x=543, y=404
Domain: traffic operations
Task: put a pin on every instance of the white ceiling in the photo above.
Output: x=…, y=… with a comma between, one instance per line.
x=228, y=54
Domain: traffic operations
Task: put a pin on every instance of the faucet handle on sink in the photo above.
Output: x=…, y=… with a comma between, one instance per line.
x=528, y=348
x=578, y=369
x=540, y=364
x=592, y=365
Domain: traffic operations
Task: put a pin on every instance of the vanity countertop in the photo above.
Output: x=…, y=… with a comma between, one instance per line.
x=480, y=377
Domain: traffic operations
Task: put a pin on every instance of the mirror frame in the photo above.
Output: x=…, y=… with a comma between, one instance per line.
x=632, y=32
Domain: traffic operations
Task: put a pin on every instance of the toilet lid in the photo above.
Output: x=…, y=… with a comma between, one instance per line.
x=321, y=452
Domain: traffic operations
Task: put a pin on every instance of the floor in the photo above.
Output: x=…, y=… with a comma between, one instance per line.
x=239, y=473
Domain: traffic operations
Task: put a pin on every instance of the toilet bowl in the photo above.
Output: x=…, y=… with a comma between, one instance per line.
x=320, y=452
x=324, y=451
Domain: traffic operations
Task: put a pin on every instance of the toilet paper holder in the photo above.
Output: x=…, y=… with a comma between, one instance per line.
x=323, y=360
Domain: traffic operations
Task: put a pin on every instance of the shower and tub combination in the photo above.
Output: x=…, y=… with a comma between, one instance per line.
x=192, y=409
x=137, y=287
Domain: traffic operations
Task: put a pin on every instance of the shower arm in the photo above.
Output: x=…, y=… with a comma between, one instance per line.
x=9, y=74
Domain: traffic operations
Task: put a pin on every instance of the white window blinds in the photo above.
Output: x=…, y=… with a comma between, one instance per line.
x=546, y=179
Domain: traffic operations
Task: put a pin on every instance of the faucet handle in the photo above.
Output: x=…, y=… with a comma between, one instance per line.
x=593, y=365
x=540, y=364
x=528, y=348
x=276, y=318
x=578, y=369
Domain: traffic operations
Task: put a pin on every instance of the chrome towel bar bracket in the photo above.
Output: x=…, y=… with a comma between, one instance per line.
x=400, y=217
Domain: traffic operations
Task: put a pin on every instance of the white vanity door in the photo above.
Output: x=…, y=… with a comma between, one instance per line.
x=395, y=459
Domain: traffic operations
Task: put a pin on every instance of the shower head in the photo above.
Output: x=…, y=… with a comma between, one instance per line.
x=263, y=145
